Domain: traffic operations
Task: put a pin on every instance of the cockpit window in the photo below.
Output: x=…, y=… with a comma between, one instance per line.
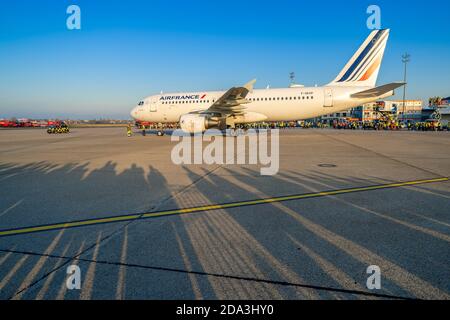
x=140, y=103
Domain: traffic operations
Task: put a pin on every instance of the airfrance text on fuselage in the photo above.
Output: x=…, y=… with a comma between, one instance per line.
x=191, y=96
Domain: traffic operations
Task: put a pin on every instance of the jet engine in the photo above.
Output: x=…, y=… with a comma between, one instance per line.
x=197, y=122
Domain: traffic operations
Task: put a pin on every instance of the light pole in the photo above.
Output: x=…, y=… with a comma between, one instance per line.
x=405, y=59
x=292, y=77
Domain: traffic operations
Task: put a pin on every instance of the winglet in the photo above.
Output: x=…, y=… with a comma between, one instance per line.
x=249, y=85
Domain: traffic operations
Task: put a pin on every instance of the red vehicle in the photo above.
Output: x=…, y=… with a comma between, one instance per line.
x=54, y=123
x=8, y=123
x=145, y=124
x=24, y=122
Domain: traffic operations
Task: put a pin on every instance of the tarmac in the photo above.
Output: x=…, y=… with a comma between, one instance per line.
x=139, y=226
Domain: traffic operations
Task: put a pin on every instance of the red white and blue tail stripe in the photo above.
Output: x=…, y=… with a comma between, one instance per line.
x=362, y=69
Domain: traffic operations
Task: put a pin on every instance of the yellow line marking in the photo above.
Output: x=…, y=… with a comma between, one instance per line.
x=122, y=218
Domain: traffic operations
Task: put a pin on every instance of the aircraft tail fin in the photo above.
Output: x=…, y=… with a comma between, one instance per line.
x=363, y=68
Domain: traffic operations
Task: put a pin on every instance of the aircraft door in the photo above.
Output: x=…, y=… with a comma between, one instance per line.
x=328, y=97
x=153, y=106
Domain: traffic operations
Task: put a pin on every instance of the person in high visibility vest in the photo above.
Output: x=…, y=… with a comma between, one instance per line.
x=129, y=130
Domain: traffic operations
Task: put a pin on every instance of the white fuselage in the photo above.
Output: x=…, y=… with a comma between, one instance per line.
x=353, y=86
x=285, y=104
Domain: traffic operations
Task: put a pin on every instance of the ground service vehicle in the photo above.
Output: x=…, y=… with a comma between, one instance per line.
x=62, y=128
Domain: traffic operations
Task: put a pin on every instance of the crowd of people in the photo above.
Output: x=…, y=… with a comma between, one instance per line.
x=391, y=125
x=352, y=125
x=428, y=126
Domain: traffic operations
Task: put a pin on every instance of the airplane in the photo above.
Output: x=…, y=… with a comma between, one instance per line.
x=198, y=111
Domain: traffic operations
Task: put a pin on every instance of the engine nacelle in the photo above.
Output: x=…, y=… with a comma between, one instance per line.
x=197, y=123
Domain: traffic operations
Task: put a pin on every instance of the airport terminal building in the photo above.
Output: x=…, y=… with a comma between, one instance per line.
x=373, y=111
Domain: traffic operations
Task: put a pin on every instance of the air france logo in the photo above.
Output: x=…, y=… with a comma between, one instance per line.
x=185, y=97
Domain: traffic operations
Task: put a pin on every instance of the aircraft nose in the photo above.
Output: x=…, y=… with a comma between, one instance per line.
x=134, y=113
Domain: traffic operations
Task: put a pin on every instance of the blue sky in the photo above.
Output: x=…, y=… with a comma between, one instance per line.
x=129, y=49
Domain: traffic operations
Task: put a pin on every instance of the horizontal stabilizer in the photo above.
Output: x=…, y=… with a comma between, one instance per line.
x=377, y=91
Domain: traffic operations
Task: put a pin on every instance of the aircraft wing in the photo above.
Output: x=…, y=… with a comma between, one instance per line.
x=233, y=101
x=377, y=91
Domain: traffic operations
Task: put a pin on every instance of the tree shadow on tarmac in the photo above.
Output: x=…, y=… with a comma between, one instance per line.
x=305, y=249
x=331, y=241
x=42, y=193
